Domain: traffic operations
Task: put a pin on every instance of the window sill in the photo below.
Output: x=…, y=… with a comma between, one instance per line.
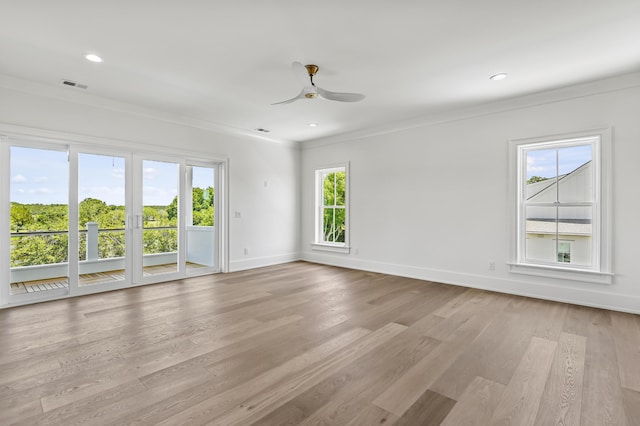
x=562, y=273
x=331, y=247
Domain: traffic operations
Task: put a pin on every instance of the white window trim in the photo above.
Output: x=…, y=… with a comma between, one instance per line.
x=317, y=244
x=602, y=272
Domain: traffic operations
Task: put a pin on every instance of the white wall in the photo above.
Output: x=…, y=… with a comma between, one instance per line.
x=432, y=201
x=269, y=223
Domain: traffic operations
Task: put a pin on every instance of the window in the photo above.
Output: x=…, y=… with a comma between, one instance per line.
x=332, y=216
x=564, y=252
x=561, y=206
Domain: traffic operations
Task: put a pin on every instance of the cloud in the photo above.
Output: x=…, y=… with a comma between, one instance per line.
x=150, y=172
x=18, y=178
x=117, y=173
x=154, y=196
x=108, y=194
x=41, y=179
x=42, y=191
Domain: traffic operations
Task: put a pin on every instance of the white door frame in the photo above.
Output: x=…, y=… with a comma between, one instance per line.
x=45, y=139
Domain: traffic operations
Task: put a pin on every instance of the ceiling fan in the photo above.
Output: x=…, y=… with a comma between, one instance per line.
x=310, y=91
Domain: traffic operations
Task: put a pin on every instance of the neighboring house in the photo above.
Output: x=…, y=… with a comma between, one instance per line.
x=574, y=223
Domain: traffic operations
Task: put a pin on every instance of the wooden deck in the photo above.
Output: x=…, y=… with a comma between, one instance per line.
x=306, y=344
x=89, y=279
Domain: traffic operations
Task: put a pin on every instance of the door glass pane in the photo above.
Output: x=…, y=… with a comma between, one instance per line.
x=39, y=194
x=101, y=218
x=201, y=236
x=576, y=174
x=160, y=184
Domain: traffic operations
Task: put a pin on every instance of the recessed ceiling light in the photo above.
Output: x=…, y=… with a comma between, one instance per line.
x=93, y=57
x=313, y=124
x=497, y=77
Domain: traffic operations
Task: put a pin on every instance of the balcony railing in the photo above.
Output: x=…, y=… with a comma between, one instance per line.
x=157, y=251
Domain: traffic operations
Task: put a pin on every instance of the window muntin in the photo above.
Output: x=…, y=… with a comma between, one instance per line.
x=558, y=204
x=332, y=207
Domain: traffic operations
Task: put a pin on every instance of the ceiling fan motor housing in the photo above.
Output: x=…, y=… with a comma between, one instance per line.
x=312, y=69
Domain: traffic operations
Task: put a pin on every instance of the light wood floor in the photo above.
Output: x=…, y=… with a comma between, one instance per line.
x=95, y=278
x=305, y=344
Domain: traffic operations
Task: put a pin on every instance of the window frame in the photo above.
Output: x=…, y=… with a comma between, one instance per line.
x=319, y=243
x=600, y=269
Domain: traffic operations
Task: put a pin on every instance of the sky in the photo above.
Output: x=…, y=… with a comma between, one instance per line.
x=42, y=176
x=543, y=162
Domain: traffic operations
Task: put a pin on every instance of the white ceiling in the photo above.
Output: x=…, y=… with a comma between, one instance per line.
x=226, y=61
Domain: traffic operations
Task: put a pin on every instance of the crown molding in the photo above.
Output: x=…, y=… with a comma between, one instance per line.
x=613, y=84
x=71, y=95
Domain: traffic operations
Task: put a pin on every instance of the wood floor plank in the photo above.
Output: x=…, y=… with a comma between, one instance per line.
x=200, y=407
x=70, y=413
x=260, y=405
x=562, y=399
x=355, y=386
x=405, y=391
x=429, y=410
x=310, y=344
x=476, y=404
x=626, y=333
x=602, y=402
x=373, y=415
x=483, y=357
x=632, y=406
x=521, y=398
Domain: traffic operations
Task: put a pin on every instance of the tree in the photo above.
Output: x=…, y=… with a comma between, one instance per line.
x=334, y=194
x=91, y=210
x=172, y=209
x=535, y=179
x=20, y=216
x=202, y=207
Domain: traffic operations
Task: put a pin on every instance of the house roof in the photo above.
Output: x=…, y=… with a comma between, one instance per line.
x=540, y=188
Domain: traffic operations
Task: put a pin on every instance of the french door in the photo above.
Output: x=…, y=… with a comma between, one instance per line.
x=84, y=219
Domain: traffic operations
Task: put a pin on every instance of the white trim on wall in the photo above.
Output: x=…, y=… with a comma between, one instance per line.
x=606, y=85
x=591, y=296
x=55, y=92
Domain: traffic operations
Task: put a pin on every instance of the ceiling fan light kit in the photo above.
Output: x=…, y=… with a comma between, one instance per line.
x=311, y=91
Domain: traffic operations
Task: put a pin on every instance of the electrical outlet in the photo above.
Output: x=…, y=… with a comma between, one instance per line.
x=492, y=265
x=237, y=215
x=246, y=252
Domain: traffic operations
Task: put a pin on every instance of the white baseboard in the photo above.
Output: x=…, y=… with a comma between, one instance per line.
x=592, y=296
x=258, y=262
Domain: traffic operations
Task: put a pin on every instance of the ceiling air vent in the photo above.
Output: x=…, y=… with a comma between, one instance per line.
x=71, y=83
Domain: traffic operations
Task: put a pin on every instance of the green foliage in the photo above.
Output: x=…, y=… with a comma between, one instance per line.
x=91, y=210
x=334, y=200
x=53, y=248
x=20, y=217
x=160, y=241
x=203, y=208
x=535, y=179
x=38, y=249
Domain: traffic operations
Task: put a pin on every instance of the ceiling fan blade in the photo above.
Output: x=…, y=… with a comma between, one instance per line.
x=340, y=97
x=288, y=101
x=300, y=72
